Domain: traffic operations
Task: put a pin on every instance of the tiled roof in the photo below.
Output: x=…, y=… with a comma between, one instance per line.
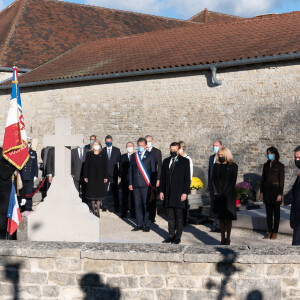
x=195, y=45
x=207, y=16
x=33, y=32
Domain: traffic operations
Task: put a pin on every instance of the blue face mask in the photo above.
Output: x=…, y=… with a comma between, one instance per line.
x=82, y=146
x=108, y=144
x=92, y=141
x=141, y=149
x=216, y=149
x=270, y=156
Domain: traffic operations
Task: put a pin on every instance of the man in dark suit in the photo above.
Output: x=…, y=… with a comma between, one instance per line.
x=29, y=174
x=77, y=165
x=212, y=160
x=175, y=184
x=140, y=183
x=92, y=139
x=295, y=208
x=156, y=176
x=124, y=168
x=49, y=169
x=113, y=159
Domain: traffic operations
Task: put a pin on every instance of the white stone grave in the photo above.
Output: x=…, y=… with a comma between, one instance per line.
x=62, y=216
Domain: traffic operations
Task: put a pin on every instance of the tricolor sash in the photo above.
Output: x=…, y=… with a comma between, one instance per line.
x=142, y=169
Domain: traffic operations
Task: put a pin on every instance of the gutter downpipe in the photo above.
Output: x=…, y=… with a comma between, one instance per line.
x=214, y=75
x=233, y=63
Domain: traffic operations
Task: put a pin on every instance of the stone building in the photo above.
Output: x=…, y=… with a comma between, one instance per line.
x=232, y=79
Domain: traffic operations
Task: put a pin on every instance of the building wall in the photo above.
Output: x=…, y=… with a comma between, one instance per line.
x=5, y=75
x=151, y=272
x=254, y=108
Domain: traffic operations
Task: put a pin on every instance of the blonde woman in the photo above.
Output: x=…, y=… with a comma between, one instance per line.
x=183, y=153
x=95, y=176
x=223, y=183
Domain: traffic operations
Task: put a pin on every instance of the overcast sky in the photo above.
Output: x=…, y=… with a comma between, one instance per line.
x=184, y=9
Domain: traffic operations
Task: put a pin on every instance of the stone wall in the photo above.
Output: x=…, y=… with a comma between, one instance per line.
x=49, y=270
x=254, y=108
x=5, y=75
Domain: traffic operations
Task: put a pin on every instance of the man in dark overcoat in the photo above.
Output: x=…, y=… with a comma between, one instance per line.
x=175, y=184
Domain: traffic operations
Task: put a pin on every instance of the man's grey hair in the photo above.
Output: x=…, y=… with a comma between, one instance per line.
x=130, y=143
x=297, y=149
x=149, y=136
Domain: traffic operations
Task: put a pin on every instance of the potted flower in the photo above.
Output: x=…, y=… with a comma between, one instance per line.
x=243, y=192
x=196, y=184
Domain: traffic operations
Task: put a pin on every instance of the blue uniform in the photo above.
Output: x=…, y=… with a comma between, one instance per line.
x=29, y=171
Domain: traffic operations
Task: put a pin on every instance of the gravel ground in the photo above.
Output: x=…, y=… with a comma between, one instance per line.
x=115, y=229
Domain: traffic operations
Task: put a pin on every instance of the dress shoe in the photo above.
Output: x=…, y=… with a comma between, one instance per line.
x=274, y=236
x=168, y=240
x=137, y=228
x=153, y=221
x=146, y=229
x=227, y=241
x=268, y=236
x=104, y=209
x=123, y=216
x=176, y=241
x=215, y=229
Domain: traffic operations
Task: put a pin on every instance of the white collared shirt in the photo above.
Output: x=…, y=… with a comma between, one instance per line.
x=149, y=149
x=143, y=153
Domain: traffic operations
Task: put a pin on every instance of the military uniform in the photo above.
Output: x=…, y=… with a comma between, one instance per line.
x=28, y=173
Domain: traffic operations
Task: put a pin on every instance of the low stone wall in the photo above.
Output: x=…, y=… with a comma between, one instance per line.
x=51, y=270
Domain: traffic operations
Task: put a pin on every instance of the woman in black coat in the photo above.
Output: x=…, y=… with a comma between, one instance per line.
x=271, y=188
x=95, y=175
x=223, y=183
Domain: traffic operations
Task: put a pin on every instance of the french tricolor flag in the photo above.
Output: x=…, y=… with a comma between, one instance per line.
x=13, y=213
x=15, y=147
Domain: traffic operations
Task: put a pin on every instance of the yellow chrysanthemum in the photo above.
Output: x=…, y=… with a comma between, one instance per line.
x=196, y=183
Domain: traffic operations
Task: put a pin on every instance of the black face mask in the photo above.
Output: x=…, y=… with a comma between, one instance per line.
x=297, y=163
x=221, y=159
x=173, y=153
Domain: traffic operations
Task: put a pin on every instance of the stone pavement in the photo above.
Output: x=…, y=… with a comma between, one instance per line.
x=117, y=230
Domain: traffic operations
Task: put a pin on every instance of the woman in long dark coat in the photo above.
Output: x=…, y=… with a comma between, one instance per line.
x=271, y=188
x=95, y=175
x=224, y=199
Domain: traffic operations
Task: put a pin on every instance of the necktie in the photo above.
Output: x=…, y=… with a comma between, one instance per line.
x=108, y=154
x=80, y=156
x=172, y=164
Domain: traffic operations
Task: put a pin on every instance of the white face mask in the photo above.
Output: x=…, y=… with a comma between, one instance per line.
x=180, y=151
x=129, y=149
x=96, y=147
x=149, y=144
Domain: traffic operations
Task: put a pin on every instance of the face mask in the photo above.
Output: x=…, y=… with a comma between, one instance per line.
x=180, y=151
x=92, y=141
x=216, y=149
x=297, y=163
x=82, y=146
x=108, y=144
x=173, y=153
x=141, y=149
x=149, y=144
x=96, y=147
x=270, y=156
x=129, y=149
x=221, y=159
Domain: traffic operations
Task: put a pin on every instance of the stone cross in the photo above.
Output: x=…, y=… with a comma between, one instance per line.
x=60, y=140
x=62, y=216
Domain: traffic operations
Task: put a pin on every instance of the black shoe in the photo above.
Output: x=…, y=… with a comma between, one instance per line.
x=176, y=241
x=168, y=240
x=146, y=229
x=215, y=229
x=153, y=220
x=137, y=228
x=104, y=209
x=123, y=216
x=132, y=216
